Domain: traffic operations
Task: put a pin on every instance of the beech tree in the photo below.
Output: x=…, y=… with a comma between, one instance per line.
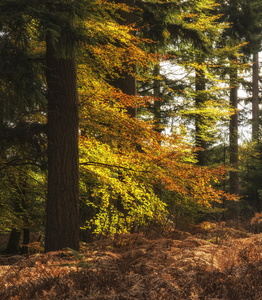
x=116, y=136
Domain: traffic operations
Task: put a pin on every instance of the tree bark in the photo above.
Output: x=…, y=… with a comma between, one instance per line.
x=26, y=240
x=233, y=130
x=13, y=242
x=62, y=210
x=20, y=208
x=157, y=102
x=255, y=98
x=127, y=82
x=200, y=83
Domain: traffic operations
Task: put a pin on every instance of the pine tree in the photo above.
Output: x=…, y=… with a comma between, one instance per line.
x=62, y=224
x=25, y=21
x=255, y=97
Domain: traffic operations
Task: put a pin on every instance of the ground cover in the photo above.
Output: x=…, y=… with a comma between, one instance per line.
x=213, y=261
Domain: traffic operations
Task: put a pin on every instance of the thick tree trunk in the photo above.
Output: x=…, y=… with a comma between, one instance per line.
x=233, y=130
x=255, y=98
x=62, y=224
x=199, y=120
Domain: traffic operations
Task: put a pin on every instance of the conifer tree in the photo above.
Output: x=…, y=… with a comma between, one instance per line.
x=25, y=22
x=62, y=224
x=255, y=97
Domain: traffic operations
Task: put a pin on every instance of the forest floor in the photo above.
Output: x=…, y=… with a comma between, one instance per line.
x=212, y=262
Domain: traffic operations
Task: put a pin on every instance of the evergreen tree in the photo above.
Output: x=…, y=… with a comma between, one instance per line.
x=54, y=20
x=22, y=101
x=62, y=223
x=255, y=97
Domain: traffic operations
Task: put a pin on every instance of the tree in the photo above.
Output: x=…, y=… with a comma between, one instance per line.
x=190, y=41
x=62, y=223
x=55, y=21
x=115, y=136
x=126, y=80
x=22, y=102
x=233, y=131
x=255, y=97
x=200, y=86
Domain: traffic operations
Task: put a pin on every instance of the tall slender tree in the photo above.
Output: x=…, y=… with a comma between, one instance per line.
x=200, y=141
x=233, y=131
x=255, y=97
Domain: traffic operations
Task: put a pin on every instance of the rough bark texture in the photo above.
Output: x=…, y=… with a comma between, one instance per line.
x=62, y=225
x=199, y=120
x=234, y=175
x=255, y=97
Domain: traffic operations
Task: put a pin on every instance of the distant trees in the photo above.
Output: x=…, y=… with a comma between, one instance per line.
x=246, y=27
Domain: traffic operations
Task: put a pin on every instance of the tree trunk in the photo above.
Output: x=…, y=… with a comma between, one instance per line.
x=233, y=130
x=157, y=102
x=26, y=240
x=127, y=82
x=199, y=120
x=20, y=208
x=13, y=242
x=62, y=223
x=255, y=98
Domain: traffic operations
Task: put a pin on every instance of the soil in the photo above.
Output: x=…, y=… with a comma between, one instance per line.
x=211, y=262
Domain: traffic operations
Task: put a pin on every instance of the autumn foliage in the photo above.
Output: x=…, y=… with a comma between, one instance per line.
x=126, y=166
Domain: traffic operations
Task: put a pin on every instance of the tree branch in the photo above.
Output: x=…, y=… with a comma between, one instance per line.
x=111, y=166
